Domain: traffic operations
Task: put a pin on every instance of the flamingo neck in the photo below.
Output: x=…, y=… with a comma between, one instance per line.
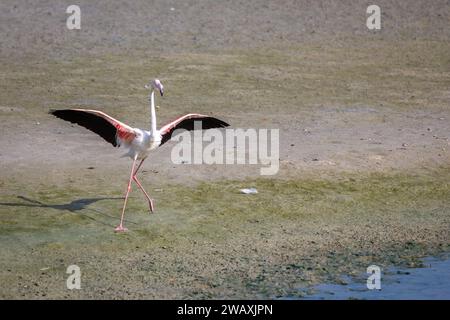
x=153, y=112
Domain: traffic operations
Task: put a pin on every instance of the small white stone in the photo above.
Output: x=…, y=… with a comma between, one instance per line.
x=249, y=191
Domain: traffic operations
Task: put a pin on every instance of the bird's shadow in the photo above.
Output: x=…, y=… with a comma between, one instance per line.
x=74, y=206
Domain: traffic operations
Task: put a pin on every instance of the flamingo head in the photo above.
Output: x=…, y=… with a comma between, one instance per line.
x=156, y=85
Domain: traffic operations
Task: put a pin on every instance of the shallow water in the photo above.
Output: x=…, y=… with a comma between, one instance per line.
x=431, y=282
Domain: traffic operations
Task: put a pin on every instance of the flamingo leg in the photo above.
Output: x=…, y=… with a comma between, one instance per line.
x=150, y=201
x=120, y=227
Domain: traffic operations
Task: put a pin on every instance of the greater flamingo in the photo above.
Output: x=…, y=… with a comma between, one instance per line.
x=138, y=142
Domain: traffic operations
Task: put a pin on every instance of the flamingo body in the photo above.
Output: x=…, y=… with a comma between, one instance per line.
x=138, y=142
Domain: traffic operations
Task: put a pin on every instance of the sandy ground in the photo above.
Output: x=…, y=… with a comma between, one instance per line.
x=364, y=145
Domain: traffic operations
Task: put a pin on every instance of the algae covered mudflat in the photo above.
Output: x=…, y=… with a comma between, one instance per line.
x=214, y=242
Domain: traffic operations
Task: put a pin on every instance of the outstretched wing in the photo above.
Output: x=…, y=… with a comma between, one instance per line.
x=110, y=129
x=187, y=122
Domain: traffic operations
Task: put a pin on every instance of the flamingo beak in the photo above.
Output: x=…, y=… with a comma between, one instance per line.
x=161, y=91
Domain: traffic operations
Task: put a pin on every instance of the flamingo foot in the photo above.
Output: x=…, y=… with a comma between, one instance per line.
x=120, y=228
x=150, y=204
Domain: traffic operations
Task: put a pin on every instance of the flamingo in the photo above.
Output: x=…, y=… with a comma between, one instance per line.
x=139, y=142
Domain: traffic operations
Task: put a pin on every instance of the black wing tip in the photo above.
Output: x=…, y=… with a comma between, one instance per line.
x=217, y=123
x=57, y=112
x=221, y=123
x=89, y=121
